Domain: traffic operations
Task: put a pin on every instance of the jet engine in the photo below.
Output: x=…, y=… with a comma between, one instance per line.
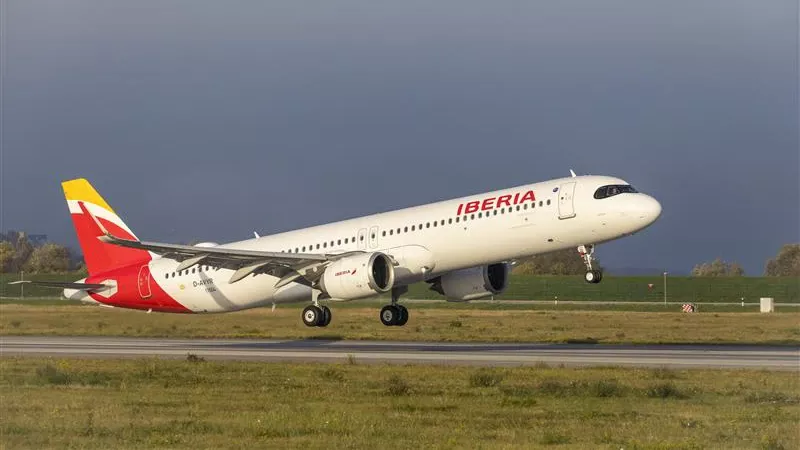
x=473, y=283
x=358, y=276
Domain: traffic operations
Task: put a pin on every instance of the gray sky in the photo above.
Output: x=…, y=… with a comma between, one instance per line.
x=208, y=120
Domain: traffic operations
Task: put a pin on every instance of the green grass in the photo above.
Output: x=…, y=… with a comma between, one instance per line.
x=611, y=289
x=149, y=403
x=524, y=287
x=449, y=323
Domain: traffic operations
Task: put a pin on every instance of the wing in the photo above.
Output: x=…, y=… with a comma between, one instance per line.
x=289, y=267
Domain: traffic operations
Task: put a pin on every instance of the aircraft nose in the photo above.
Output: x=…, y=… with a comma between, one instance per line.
x=649, y=209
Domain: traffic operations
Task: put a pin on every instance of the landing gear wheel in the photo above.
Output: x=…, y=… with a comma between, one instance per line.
x=587, y=254
x=312, y=316
x=327, y=315
x=390, y=315
x=403, y=319
x=593, y=276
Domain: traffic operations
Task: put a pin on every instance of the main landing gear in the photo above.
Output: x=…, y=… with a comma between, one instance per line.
x=317, y=316
x=592, y=275
x=395, y=314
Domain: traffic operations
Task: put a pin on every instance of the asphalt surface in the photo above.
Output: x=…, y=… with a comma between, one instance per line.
x=487, y=354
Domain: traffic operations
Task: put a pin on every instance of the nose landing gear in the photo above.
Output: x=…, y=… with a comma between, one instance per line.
x=592, y=275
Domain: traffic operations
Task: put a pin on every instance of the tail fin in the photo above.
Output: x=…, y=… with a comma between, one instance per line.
x=87, y=209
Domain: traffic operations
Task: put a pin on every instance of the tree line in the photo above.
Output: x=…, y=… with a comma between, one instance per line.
x=19, y=253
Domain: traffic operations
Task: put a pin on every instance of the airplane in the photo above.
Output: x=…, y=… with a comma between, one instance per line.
x=463, y=248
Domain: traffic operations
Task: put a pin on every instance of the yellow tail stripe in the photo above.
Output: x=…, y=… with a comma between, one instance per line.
x=81, y=190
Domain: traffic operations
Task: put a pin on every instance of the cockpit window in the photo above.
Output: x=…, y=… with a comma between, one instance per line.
x=614, y=189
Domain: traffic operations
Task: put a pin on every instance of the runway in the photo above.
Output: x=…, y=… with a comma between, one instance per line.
x=487, y=354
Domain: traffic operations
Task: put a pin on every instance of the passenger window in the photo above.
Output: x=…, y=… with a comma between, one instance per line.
x=428, y=225
x=541, y=203
x=434, y=223
x=384, y=233
x=317, y=246
x=472, y=217
x=548, y=202
x=480, y=215
x=339, y=242
x=362, y=238
x=457, y=219
x=450, y=221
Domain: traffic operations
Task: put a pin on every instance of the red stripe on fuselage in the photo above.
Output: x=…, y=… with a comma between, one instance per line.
x=128, y=294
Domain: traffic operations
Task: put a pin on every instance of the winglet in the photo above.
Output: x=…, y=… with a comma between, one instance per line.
x=571, y=172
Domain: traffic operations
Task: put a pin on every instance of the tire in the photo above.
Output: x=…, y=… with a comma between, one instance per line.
x=599, y=276
x=402, y=319
x=389, y=315
x=590, y=277
x=312, y=316
x=327, y=316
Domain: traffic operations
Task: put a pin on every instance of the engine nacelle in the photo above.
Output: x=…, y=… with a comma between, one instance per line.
x=473, y=283
x=206, y=244
x=358, y=276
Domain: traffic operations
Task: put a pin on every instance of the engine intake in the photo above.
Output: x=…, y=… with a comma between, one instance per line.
x=473, y=283
x=358, y=276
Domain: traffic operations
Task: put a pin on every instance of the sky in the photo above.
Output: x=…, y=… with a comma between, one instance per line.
x=207, y=120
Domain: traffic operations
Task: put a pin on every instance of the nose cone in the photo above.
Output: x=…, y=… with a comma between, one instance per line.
x=649, y=209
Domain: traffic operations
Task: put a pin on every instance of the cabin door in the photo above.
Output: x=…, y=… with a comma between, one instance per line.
x=566, y=200
x=144, y=282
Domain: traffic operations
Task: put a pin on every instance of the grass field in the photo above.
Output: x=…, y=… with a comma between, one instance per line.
x=196, y=404
x=449, y=323
x=679, y=289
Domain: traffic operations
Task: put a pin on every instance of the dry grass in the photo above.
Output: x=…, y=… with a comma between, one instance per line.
x=446, y=324
x=202, y=404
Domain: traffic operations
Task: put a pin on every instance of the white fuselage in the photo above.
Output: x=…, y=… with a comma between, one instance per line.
x=429, y=240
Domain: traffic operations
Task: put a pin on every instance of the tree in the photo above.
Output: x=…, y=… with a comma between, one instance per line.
x=562, y=262
x=48, y=258
x=786, y=263
x=718, y=268
x=6, y=256
x=22, y=250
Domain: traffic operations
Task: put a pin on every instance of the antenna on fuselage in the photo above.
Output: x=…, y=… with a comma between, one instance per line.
x=255, y=233
x=571, y=172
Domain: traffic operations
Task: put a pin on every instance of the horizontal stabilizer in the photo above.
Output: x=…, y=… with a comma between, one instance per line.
x=63, y=285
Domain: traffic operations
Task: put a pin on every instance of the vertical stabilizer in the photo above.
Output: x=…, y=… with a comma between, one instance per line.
x=87, y=209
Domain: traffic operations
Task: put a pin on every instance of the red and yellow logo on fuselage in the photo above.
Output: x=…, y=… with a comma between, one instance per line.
x=495, y=202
